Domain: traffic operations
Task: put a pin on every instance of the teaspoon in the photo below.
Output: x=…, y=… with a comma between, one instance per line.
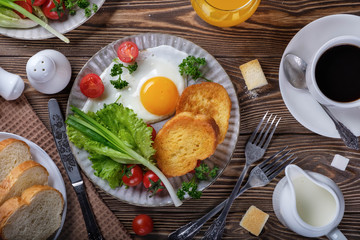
x=295, y=68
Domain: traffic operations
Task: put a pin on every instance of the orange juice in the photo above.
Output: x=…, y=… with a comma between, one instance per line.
x=225, y=13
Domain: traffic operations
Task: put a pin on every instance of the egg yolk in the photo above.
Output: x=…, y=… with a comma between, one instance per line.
x=159, y=96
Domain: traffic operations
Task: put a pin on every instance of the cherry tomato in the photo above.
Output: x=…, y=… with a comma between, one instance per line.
x=91, y=86
x=36, y=2
x=51, y=10
x=134, y=177
x=24, y=5
x=127, y=52
x=142, y=224
x=153, y=134
x=158, y=184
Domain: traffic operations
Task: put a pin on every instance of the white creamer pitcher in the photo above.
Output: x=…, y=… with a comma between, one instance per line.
x=309, y=203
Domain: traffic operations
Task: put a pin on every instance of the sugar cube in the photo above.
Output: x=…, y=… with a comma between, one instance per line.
x=340, y=162
x=254, y=220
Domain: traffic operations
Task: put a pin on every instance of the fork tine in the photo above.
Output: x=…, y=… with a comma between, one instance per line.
x=271, y=134
x=262, y=132
x=267, y=132
x=257, y=128
x=272, y=176
x=270, y=165
x=272, y=157
x=274, y=167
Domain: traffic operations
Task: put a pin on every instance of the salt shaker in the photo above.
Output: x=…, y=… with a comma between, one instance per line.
x=11, y=85
x=48, y=71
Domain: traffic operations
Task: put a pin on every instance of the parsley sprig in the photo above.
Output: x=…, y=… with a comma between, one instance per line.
x=117, y=70
x=190, y=188
x=191, y=66
x=202, y=172
x=83, y=4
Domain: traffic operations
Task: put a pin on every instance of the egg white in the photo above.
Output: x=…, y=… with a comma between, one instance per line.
x=153, y=62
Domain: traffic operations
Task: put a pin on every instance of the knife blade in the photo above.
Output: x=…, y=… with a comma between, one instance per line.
x=62, y=144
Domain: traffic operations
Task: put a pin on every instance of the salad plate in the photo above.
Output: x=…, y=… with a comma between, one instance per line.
x=300, y=103
x=62, y=26
x=55, y=177
x=102, y=59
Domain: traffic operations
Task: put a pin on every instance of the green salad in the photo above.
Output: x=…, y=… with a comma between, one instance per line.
x=114, y=136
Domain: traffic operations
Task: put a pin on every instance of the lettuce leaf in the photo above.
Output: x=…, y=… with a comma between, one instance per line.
x=108, y=170
x=123, y=121
x=9, y=19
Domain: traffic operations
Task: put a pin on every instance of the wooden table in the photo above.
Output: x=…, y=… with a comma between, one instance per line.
x=264, y=36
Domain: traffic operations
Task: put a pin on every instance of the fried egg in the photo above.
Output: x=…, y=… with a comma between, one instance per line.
x=153, y=89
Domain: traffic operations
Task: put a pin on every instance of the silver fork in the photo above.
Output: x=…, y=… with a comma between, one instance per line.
x=254, y=150
x=260, y=176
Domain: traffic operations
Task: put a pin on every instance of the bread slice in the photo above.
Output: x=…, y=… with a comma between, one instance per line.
x=207, y=98
x=183, y=140
x=34, y=215
x=253, y=74
x=23, y=176
x=12, y=153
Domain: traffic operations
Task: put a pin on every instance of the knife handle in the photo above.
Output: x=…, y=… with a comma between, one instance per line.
x=90, y=222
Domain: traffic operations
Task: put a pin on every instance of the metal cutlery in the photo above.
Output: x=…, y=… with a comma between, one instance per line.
x=59, y=133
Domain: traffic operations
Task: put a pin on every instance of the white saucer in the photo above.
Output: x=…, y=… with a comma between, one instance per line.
x=299, y=102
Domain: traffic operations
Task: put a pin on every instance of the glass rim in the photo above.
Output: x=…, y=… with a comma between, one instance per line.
x=229, y=10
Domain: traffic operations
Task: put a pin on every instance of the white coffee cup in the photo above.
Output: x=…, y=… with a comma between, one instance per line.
x=310, y=72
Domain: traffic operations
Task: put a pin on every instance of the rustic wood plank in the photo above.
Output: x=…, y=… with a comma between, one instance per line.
x=264, y=36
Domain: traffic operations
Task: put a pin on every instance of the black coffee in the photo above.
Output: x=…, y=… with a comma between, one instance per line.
x=337, y=73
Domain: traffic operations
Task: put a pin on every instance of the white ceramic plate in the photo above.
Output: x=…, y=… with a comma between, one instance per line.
x=102, y=59
x=299, y=102
x=39, y=32
x=55, y=178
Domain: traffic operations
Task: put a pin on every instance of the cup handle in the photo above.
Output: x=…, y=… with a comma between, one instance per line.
x=336, y=234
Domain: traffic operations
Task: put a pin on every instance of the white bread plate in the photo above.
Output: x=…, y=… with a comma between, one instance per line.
x=55, y=178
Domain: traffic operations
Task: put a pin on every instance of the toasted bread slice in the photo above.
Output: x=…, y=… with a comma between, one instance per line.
x=183, y=140
x=207, y=98
x=34, y=215
x=12, y=153
x=23, y=176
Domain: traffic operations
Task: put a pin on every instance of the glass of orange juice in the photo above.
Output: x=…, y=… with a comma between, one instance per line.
x=225, y=13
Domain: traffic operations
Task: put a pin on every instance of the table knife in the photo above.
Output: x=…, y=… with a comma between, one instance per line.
x=59, y=133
